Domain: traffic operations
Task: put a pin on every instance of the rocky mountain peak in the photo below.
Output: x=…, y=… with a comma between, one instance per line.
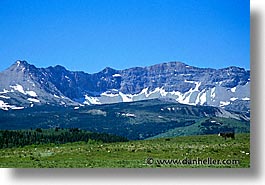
x=18, y=64
x=176, y=80
x=59, y=67
x=21, y=66
x=108, y=70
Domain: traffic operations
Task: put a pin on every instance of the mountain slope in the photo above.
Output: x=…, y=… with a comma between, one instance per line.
x=134, y=120
x=24, y=85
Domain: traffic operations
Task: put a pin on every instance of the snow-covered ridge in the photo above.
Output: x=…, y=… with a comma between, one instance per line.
x=217, y=96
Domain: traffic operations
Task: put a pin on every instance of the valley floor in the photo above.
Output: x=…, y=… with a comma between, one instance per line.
x=178, y=152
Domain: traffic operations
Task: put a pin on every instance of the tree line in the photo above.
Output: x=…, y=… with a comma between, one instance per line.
x=20, y=138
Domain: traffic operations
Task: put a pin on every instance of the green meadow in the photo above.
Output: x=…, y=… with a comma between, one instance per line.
x=131, y=154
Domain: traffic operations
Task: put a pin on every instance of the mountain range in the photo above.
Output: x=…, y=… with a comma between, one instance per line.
x=23, y=85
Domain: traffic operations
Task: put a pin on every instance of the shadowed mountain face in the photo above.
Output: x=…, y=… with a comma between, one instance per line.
x=133, y=120
x=24, y=85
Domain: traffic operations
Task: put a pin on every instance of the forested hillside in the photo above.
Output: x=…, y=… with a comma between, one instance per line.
x=19, y=138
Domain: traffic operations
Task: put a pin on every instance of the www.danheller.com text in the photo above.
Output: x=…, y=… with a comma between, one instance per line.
x=197, y=161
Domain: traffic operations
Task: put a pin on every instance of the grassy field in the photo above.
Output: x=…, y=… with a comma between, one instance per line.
x=133, y=154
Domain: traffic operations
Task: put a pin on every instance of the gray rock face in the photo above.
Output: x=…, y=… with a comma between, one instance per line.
x=171, y=76
x=23, y=85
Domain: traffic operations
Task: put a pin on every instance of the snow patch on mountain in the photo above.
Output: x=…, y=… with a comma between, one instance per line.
x=18, y=63
x=233, y=89
x=5, y=97
x=3, y=105
x=33, y=100
x=56, y=96
x=233, y=99
x=246, y=98
x=17, y=108
x=6, y=106
x=203, y=99
x=18, y=88
x=116, y=75
x=224, y=103
x=128, y=115
x=213, y=93
x=31, y=93
x=125, y=98
x=4, y=91
x=109, y=94
x=91, y=100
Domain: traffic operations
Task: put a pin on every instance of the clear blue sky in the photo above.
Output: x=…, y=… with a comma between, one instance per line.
x=90, y=35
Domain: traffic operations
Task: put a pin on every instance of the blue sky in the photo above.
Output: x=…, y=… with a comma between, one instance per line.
x=90, y=35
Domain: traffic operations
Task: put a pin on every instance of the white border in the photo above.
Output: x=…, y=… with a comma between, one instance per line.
x=254, y=175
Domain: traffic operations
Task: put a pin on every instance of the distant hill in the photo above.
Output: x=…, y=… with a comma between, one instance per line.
x=133, y=120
